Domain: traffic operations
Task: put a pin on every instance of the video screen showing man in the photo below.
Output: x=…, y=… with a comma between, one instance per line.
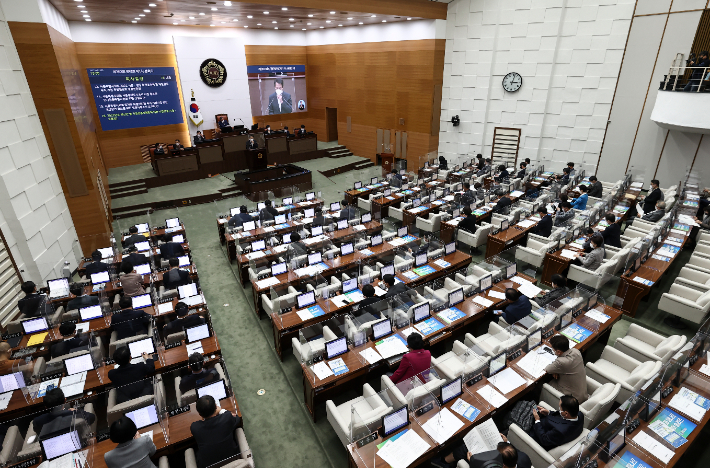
x=277, y=89
x=280, y=101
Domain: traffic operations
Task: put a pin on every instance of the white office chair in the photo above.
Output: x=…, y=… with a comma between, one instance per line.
x=644, y=345
x=495, y=341
x=616, y=367
x=305, y=353
x=369, y=408
x=477, y=239
x=415, y=394
x=366, y=203
x=271, y=306
x=430, y=224
x=457, y=361
x=539, y=457
x=398, y=213
x=694, y=279
x=534, y=252
x=686, y=303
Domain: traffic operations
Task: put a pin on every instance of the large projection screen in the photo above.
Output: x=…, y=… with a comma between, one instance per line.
x=265, y=82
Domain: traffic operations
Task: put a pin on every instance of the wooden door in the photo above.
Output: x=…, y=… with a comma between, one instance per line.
x=331, y=123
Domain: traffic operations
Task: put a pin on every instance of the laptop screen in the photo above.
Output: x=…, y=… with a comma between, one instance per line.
x=336, y=347
x=197, y=333
x=286, y=238
x=79, y=364
x=260, y=206
x=187, y=290
x=249, y=225
x=387, y=192
x=141, y=301
x=142, y=228
x=376, y=240
x=511, y=270
x=11, y=382
x=278, y=269
x=451, y=391
x=61, y=445
x=395, y=420
x=139, y=347
x=366, y=218
x=179, y=239
x=100, y=277
x=316, y=231
x=106, y=252
x=172, y=223
x=416, y=202
x=358, y=185
x=381, y=328
x=314, y=258
x=335, y=206
x=310, y=196
x=497, y=364
x=450, y=248
x=346, y=249
x=218, y=390
x=258, y=245
x=307, y=299
x=349, y=285
x=309, y=213
x=373, y=181
x=143, y=417
x=184, y=261
x=420, y=259
x=401, y=232
x=58, y=287
x=342, y=224
x=90, y=313
x=534, y=339
x=287, y=200
x=280, y=219
x=142, y=246
x=387, y=270
x=421, y=312
x=455, y=297
x=34, y=325
x=233, y=211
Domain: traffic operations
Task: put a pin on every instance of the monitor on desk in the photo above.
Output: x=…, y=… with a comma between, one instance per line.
x=336, y=347
x=90, y=313
x=342, y=224
x=376, y=240
x=395, y=420
x=425, y=199
x=416, y=202
x=184, y=261
x=450, y=248
x=249, y=225
x=316, y=231
x=497, y=364
x=451, y=390
x=218, y=390
x=504, y=224
x=10, y=382
x=366, y=218
x=280, y=219
x=309, y=213
x=142, y=228
x=310, y=196
x=566, y=319
x=306, y=299
x=349, y=285
x=373, y=181
x=346, y=249
x=402, y=171
x=233, y=212
x=100, y=277
x=485, y=282
x=141, y=301
x=58, y=445
x=637, y=263
x=172, y=223
x=187, y=290
x=179, y=239
x=260, y=206
x=511, y=270
x=258, y=245
x=421, y=312
x=455, y=297
x=58, y=288
x=315, y=257
x=487, y=198
x=335, y=206
x=139, y=347
x=278, y=269
x=142, y=246
x=287, y=201
x=445, y=193
x=591, y=302
x=387, y=192
x=79, y=364
x=456, y=213
x=286, y=238
x=420, y=259
x=106, y=252
x=401, y=232
x=387, y=269
x=200, y=332
x=534, y=339
x=144, y=417
x=34, y=325
x=381, y=329
x=358, y=185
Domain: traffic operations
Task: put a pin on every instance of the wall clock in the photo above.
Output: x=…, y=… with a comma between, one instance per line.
x=512, y=82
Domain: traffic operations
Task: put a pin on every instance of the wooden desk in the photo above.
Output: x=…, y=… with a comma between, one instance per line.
x=503, y=240
x=351, y=196
x=380, y=206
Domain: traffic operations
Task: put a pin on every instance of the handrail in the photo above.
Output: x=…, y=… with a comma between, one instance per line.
x=676, y=71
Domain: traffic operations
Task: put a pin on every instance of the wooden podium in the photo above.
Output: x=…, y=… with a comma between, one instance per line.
x=387, y=161
x=256, y=158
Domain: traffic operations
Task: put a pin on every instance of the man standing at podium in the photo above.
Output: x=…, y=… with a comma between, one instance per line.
x=302, y=131
x=252, y=144
x=280, y=101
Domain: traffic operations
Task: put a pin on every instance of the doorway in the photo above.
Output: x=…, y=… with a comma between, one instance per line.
x=331, y=123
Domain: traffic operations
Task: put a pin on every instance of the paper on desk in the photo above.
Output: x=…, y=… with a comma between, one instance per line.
x=268, y=229
x=535, y=362
x=526, y=223
x=676, y=244
x=408, y=331
x=254, y=255
x=379, y=292
x=82, y=327
x=73, y=379
x=391, y=346
x=653, y=446
x=482, y=301
x=305, y=314
x=687, y=407
x=397, y=241
x=679, y=232
x=492, y=396
x=42, y=388
x=321, y=370
x=370, y=355
x=165, y=307
x=483, y=437
x=443, y=426
x=37, y=338
x=568, y=253
x=280, y=248
x=518, y=279
x=265, y=283
x=339, y=301
x=685, y=219
x=600, y=317
x=705, y=369
x=496, y=294
x=148, y=434
x=359, y=227
x=404, y=451
x=5, y=400
x=507, y=380
x=195, y=347
x=529, y=289
x=338, y=366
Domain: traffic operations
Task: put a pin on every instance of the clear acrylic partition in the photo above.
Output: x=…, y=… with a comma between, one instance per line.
x=366, y=416
x=403, y=260
x=122, y=225
x=435, y=294
x=498, y=267
x=312, y=349
x=463, y=362
x=24, y=370
x=161, y=406
x=587, y=452
x=365, y=430
x=303, y=304
x=283, y=298
x=359, y=323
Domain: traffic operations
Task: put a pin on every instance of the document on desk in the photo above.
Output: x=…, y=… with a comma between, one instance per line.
x=265, y=283
x=321, y=370
x=359, y=227
x=5, y=400
x=391, y=346
x=684, y=405
x=492, y=396
x=568, y=253
x=397, y=241
x=483, y=437
x=535, y=362
x=597, y=315
x=526, y=223
x=482, y=301
x=370, y=355
x=705, y=369
x=529, y=290
x=653, y=446
x=519, y=280
x=45, y=386
x=37, y=338
x=82, y=327
x=507, y=380
x=404, y=451
x=73, y=384
x=673, y=243
x=255, y=255
x=338, y=366
x=195, y=347
x=496, y=294
x=679, y=232
x=465, y=409
x=442, y=426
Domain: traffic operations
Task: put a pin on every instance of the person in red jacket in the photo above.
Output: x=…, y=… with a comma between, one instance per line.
x=415, y=361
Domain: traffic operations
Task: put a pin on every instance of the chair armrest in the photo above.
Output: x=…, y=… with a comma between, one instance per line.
x=645, y=335
x=679, y=300
x=684, y=292
x=620, y=359
x=163, y=462
x=243, y=444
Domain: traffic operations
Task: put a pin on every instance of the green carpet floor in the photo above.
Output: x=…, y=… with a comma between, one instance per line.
x=277, y=424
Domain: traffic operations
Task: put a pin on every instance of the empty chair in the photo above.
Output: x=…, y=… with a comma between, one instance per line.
x=271, y=306
x=684, y=302
x=414, y=395
x=398, y=213
x=594, y=409
x=457, y=361
x=698, y=262
x=644, y=345
x=430, y=224
x=534, y=252
x=693, y=278
x=11, y=445
x=305, y=353
x=477, y=239
x=497, y=340
x=370, y=407
x=366, y=203
x=616, y=367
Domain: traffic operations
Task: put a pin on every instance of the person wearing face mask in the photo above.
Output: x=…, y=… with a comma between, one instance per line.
x=568, y=372
x=554, y=428
x=280, y=101
x=252, y=144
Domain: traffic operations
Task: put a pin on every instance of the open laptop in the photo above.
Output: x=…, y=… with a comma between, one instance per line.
x=172, y=223
x=143, y=417
x=139, y=347
x=34, y=325
x=58, y=288
x=90, y=313
x=217, y=389
x=78, y=364
x=197, y=333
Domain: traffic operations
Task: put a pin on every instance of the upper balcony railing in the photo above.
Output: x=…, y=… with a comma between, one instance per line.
x=698, y=79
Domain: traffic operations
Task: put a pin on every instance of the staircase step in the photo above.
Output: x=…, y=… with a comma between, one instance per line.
x=129, y=193
x=126, y=184
x=128, y=188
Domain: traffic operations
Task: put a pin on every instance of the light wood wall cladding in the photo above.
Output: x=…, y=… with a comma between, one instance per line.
x=53, y=73
x=373, y=84
x=60, y=134
x=122, y=147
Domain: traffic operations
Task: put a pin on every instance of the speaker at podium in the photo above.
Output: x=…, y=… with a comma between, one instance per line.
x=256, y=158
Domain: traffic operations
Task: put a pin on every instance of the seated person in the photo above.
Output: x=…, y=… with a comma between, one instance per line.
x=612, y=233
x=392, y=288
x=5, y=354
x=565, y=215
x=480, y=190
x=564, y=178
x=132, y=450
x=214, y=435
x=131, y=282
x=170, y=249
x=177, y=146
x=183, y=320
x=580, y=203
x=268, y=212
x=396, y=179
x=512, y=458
x=129, y=322
x=416, y=361
x=30, y=304
x=199, y=374
x=70, y=341
x=486, y=168
x=199, y=138
x=133, y=238
x=521, y=172
x=570, y=166
x=267, y=130
x=480, y=163
x=240, y=218
x=559, y=289
x=134, y=257
x=592, y=260
x=655, y=215
x=159, y=149
x=251, y=143
x=131, y=380
x=595, y=187
x=563, y=198
x=175, y=277
x=301, y=131
x=518, y=308
x=346, y=211
x=467, y=197
x=370, y=298
x=318, y=218
x=224, y=125
x=503, y=175
x=469, y=222
x=552, y=429
x=81, y=299
x=568, y=372
x=296, y=247
x=97, y=265
x=544, y=226
x=285, y=130
x=503, y=203
x=53, y=401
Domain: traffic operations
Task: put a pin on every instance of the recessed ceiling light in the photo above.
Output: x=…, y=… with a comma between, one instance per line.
x=360, y=22
x=274, y=22
x=384, y=21
x=212, y=25
x=176, y=24
x=152, y=4
x=202, y=14
x=309, y=24
x=141, y=14
x=146, y=11
x=235, y=19
x=284, y=8
x=291, y=26
x=213, y=9
x=192, y=17
x=246, y=26
x=250, y=16
x=266, y=12
x=349, y=18
x=310, y=16
x=276, y=27
x=182, y=21
x=321, y=27
x=84, y=11
x=78, y=0
x=258, y=24
x=291, y=19
x=87, y=19
x=227, y=3
x=332, y=12
x=134, y=21
x=81, y=6
x=373, y=16
x=340, y=25
x=87, y=16
x=136, y=18
x=303, y=29
x=409, y=19
x=222, y=22
x=327, y=21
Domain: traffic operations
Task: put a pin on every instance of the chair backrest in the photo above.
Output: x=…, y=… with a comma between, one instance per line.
x=599, y=403
x=218, y=117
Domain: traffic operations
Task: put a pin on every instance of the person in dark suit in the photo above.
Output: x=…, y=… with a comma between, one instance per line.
x=175, y=277
x=214, y=435
x=285, y=130
x=224, y=125
x=30, y=305
x=396, y=179
x=199, y=374
x=370, y=298
x=302, y=131
x=70, y=342
x=251, y=143
x=129, y=322
x=480, y=163
x=183, y=320
x=318, y=218
x=518, y=308
x=392, y=288
x=296, y=248
x=267, y=130
x=559, y=289
x=131, y=380
x=467, y=197
x=595, y=187
x=485, y=169
x=96, y=266
x=132, y=450
x=655, y=215
x=554, y=428
x=133, y=238
x=512, y=458
x=240, y=218
x=564, y=178
x=170, y=249
x=280, y=101
x=565, y=213
x=81, y=299
x=503, y=203
x=346, y=211
x=503, y=174
x=53, y=401
x=133, y=257
x=159, y=149
x=177, y=146
x=544, y=226
x=199, y=138
x=469, y=222
x=612, y=233
x=268, y=212
x=521, y=172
